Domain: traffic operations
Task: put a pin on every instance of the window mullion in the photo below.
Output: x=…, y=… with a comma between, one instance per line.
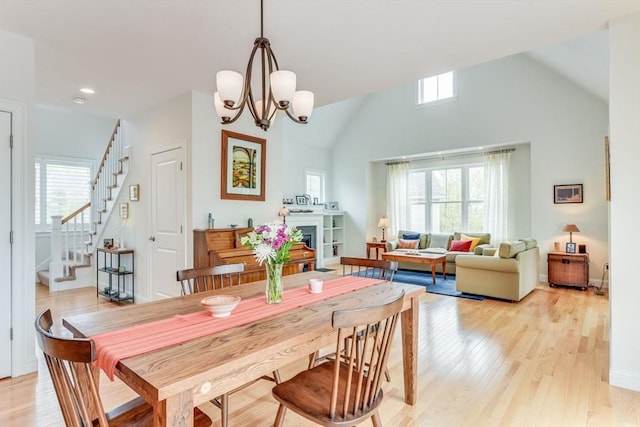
x=428, y=202
x=464, y=193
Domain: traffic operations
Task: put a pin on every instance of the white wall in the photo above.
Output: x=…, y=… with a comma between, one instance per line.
x=297, y=157
x=167, y=125
x=624, y=63
x=191, y=120
x=505, y=101
x=309, y=146
x=206, y=157
x=17, y=93
x=68, y=133
x=206, y=162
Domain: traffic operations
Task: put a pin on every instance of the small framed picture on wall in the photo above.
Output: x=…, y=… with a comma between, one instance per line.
x=134, y=192
x=124, y=210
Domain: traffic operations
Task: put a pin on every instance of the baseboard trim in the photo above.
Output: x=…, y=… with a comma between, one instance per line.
x=624, y=379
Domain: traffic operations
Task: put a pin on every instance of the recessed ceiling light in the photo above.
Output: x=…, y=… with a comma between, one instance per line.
x=87, y=90
x=78, y=100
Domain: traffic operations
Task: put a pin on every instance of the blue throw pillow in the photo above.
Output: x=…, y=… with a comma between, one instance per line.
x=411, y=236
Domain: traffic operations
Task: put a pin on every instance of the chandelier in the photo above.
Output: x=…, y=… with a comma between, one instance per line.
x=278, y=87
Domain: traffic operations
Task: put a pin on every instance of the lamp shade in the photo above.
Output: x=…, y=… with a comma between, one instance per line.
x=260, y=106
x=223, y=113
x=283, y=86
x=571, y=228
x=229, y=84
x=283, y=212
x=383, y=222
x=302, y=104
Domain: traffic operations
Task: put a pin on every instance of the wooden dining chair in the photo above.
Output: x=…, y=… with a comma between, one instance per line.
x=69, y=362
x=348, y=390
x=202, y=279
x=195, y=280
x=362, y=267
x=373, y=268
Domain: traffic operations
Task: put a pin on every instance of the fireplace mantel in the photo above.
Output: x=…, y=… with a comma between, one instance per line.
x=330, y=234
x=310, y=220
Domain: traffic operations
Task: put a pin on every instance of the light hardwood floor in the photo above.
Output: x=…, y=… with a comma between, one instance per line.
x=540, y=362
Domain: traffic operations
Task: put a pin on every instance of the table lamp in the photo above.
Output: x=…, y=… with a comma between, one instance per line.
x=571, y=228
x=283, y=213
x=383, y=223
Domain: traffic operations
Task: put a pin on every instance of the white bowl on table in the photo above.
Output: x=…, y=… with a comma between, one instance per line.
x=220, y=305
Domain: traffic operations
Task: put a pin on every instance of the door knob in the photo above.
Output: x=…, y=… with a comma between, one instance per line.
x=152, y=238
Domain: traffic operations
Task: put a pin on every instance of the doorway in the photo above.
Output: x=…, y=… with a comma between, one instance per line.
x=5, y=243
x=167, y=221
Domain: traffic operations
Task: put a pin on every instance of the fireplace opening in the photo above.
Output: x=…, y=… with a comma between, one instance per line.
x=309, y=239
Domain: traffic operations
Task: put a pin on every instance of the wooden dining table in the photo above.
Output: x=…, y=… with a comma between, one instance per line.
x=177, y=378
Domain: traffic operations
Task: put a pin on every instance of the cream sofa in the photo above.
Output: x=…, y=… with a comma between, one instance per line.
x=439, y=243
x=510, y=273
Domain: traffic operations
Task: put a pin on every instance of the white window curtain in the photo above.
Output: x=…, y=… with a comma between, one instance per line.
x=496, y=204
x=397, y=202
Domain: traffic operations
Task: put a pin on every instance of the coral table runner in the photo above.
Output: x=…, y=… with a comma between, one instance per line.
x=133, y=341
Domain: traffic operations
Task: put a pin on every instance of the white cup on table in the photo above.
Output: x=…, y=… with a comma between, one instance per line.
x=315, y=286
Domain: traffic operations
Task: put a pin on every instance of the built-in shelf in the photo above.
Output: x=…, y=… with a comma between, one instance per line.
x=333, y=237
x=329, y=227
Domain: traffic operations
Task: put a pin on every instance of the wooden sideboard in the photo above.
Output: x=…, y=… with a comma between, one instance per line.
x=217, y=246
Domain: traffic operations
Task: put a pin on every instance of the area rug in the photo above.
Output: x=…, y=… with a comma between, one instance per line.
x=442, y=286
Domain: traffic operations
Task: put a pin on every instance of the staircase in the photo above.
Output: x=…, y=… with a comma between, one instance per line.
x=73, y=239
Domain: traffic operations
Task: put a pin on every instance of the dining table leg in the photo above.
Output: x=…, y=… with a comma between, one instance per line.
x=409, y=325
x=176, y=411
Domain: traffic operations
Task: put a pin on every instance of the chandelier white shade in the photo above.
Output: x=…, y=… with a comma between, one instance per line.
x=278, y=88
x=229, y=84
x=283, y=86
x=302, y=104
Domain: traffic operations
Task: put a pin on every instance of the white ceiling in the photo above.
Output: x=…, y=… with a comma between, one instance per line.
x=137, y=54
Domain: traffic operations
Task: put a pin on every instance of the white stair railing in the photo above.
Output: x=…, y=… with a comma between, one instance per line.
x=56, y=266
x=107, y=184
x=69, y=244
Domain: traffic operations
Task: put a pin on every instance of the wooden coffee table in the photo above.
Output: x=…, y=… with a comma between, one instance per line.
x=419, y=258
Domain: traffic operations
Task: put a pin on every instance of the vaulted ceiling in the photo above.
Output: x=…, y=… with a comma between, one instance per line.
x=137, y=54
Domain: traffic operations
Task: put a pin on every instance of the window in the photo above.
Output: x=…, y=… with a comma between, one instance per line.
x=446, y=200
x=62, y=186
x=436, y=88
x=315, y=184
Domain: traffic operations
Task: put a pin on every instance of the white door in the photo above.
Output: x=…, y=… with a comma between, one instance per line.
x=167, y=221
x=5, y=245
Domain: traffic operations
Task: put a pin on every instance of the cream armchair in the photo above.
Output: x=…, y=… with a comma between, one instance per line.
x=510, y=275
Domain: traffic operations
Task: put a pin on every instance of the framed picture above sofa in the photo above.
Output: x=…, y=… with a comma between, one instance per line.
x=569, y=193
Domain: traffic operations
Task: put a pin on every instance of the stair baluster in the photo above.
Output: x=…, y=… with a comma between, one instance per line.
x=68, y=234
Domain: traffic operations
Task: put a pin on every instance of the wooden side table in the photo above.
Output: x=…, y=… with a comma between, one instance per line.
x=377, y=246
x=568, y=269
